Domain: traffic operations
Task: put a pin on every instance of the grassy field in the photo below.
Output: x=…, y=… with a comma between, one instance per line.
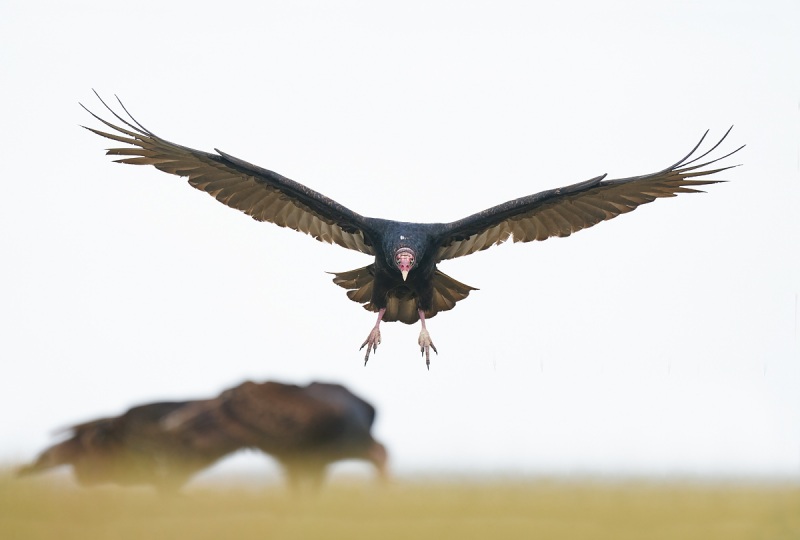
x=43, y=509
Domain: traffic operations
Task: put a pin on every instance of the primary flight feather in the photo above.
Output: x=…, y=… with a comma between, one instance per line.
x=403, y=283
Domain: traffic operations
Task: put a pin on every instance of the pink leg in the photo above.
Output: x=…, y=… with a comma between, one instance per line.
x=374, y=337
x=425, y=342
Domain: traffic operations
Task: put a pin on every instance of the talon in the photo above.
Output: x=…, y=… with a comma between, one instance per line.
x=373, y=339
x=372, y=342
x=425, y=345
x=425, y=342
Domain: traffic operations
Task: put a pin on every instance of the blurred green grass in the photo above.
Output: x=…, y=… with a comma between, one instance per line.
x=55, y=509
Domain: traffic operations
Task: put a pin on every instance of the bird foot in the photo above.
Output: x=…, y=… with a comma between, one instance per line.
x=372, y=342
x=425, y=345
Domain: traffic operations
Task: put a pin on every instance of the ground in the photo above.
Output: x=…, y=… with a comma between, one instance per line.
x=545, y=508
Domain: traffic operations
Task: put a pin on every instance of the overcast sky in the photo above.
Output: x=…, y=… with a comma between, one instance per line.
x=666, y=341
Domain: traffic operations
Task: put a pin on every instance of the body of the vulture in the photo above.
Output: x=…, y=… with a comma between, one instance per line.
x=403, y=282
x=164, y=444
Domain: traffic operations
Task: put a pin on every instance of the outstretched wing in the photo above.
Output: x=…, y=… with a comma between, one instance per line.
x=563, y=211
x=262, y=194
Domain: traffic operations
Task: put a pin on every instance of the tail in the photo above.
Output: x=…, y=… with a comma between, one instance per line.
x=63, y=453
x=446, y=292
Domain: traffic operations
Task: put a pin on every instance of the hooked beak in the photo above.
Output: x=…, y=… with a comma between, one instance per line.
x=404, y=258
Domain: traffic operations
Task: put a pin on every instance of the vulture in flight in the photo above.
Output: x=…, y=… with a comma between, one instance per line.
x=403, y=283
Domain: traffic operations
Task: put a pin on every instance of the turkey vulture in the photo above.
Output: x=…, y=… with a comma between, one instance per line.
x=403, y=283
x=164, y=444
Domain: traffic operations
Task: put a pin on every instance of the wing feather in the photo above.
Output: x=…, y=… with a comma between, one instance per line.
x=563, y=211
x=262, y=194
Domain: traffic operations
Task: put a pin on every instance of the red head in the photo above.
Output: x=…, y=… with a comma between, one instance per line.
x=404, y=259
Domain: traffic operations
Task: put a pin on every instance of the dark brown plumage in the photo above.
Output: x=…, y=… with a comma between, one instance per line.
x=403, y=283
x=304, y=427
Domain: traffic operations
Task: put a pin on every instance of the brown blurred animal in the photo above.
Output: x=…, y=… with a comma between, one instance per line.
x=164, y=444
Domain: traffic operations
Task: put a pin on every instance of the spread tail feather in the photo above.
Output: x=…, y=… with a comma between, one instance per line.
x=446, y=292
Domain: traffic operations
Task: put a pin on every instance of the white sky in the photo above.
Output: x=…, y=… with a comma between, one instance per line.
x=664, y=342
